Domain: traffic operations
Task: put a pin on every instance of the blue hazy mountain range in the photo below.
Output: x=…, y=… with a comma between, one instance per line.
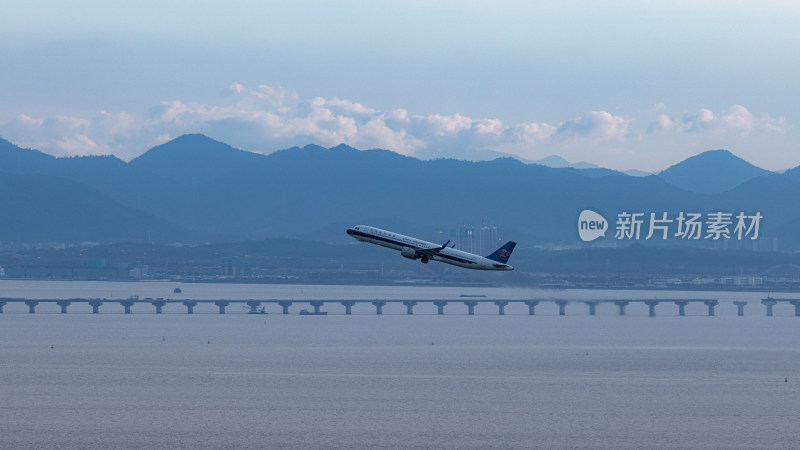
x=45, y=209
x=712, y=172
x=195, y=189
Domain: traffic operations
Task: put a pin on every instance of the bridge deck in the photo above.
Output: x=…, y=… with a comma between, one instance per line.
x=379, y=304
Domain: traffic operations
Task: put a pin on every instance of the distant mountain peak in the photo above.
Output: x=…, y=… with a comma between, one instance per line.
x=716, y=156
x=194, y=136
x=557, y=162
x=193, y=158
x=711, y=172
x=189, y=142
x=636, y=173
x=342, y=146
x=793, y=173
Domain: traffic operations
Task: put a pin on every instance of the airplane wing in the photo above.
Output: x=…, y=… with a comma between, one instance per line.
x=428, y=252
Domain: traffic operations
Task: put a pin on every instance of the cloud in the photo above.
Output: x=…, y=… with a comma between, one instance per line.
x=703, y=120
x=267, y=118
x=440, y=125
x=663, y=123
x=266, y=96
x=77, y=144
x=25, y=121
x=597, y=126
x=345, y=107
x=102, y=134
x=274, y=118
x=531, y=133
x=736, y=120
x=378, y=134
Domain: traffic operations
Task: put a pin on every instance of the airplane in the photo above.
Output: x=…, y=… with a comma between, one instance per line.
x=413, y=248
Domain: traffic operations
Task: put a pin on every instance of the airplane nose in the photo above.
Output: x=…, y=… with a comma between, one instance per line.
x=349, y=231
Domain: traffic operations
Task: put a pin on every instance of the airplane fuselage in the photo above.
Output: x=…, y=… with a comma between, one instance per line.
x=414, y=248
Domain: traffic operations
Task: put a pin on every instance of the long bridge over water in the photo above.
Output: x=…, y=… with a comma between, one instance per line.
x=255, y=306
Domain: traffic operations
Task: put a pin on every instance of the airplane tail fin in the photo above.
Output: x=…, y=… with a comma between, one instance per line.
x=503, y=253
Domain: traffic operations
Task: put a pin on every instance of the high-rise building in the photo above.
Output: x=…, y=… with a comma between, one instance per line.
x=479, y=240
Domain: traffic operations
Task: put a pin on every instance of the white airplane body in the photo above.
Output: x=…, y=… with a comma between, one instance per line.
x=414, y=248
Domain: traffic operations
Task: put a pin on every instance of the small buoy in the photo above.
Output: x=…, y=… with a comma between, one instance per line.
x=209, y=341
x=431, y=342
x=785, y=380
x=51, y=346
x=163, y=338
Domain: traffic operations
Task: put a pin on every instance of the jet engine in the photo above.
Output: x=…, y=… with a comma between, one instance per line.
x=409, y=253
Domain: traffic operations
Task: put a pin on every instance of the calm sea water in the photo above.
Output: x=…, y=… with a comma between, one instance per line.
x=397, y=381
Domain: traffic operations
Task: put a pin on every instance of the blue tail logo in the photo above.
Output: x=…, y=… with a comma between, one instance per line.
x=503, y=253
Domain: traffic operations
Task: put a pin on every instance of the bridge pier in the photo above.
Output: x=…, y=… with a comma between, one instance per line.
x=317, y=304
x=127, y=304
x=471, y=307
x=348, y=305
x=253, y=306
x=2, y=303
x=532, y=306
x=796, y=304
x=652, y=304
x=711, y=304
x=409, y=307
x=31, y=305
x=63, y=304
x=378, y=306
x=159, y=303
x=681, y=307
x=440, y=307
x=622, y=304
x=501, y=307
x=562, y=307
x=285, y=305
x=592, y=306
x=189, y=304
x=740, y=307
x=769, y=304
x=222, y=305
x=95, y=304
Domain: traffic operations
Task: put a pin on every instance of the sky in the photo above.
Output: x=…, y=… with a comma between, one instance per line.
x=621, y=84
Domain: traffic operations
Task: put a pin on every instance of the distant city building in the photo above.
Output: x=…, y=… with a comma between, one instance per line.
x=699, y=281
x=762, y=244
x=235, y=267
x=82, y=269
x=742, y=281
x=140, y=272
x=479, y=240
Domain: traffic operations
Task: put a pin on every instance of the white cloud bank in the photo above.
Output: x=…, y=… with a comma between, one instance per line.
x=267, y=118
x=736, y=121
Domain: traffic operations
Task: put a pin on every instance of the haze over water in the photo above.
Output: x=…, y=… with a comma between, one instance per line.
x=398, y=381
